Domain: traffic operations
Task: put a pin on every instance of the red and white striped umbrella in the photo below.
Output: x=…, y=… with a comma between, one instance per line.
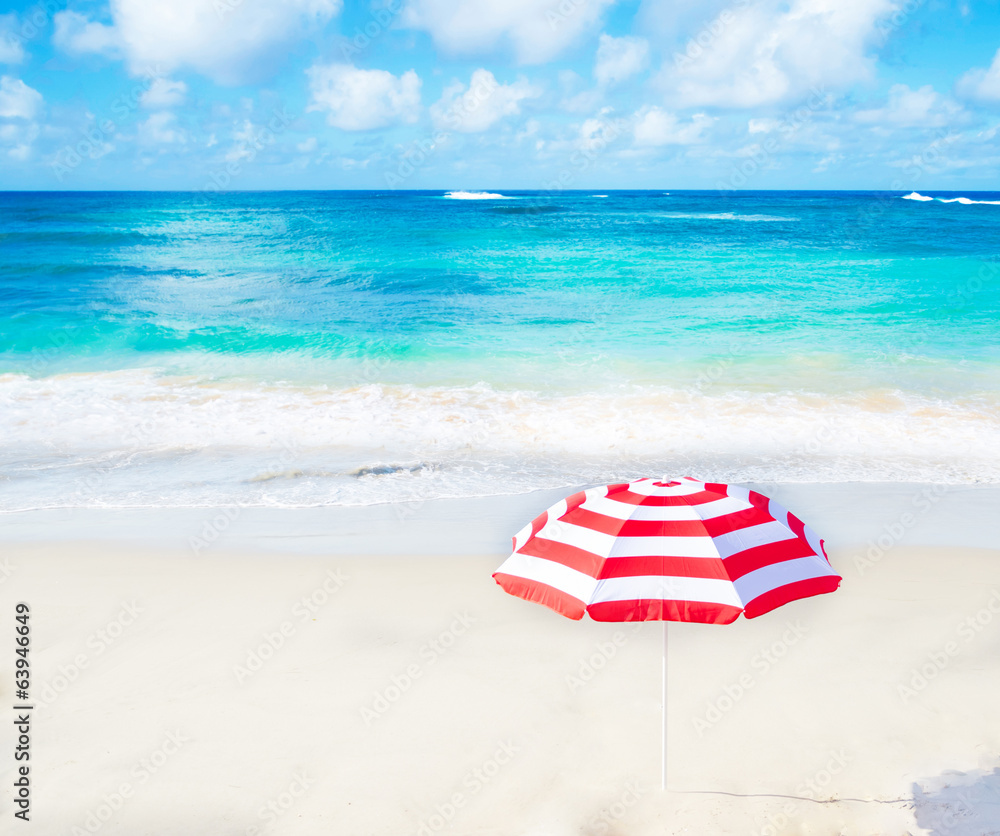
x=667, y=551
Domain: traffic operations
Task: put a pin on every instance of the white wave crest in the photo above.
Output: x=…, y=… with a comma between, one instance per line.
x=724, y=216
x=965, y=201
x=476, y=196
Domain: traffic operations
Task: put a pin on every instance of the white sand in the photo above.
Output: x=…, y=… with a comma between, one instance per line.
x=158, y=711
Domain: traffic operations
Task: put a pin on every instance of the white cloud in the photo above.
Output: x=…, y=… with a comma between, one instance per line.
x=762, y=126
x=586, y=101
x=163, y=93
x=619, y=58
x=11, y=51
x=482, y=104
x=359, y=100
x=770, y=52
x=537, y=31
x=20, y=105
x=18, y=100
x=906, y=108
x=78, y=35
x=247, y=142
x=655, y=127
x=230, y=41
x=980, y=84
x=161, y=129
x=599, y=131
x=798, y=131
x=18, y=139
x=827, y=161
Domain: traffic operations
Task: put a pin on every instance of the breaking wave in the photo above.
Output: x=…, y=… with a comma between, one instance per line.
x=963, y=200
x=127, y=439
x=476, y=196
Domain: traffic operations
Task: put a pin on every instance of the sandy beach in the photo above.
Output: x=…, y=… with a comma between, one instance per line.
x=279, y=685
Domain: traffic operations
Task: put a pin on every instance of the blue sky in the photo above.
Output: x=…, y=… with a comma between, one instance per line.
x=492, y=94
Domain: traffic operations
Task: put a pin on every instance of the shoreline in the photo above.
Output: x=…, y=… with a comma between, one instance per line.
x=847, y=515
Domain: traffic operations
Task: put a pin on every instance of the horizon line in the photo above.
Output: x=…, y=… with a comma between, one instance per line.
x=546, y=192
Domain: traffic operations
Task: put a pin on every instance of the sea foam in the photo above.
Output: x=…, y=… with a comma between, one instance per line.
x=724, y=216
x=137, y=438
x=963, y=200
x=476, y=196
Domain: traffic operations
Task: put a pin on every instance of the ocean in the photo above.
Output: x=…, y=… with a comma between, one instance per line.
x=303, y=349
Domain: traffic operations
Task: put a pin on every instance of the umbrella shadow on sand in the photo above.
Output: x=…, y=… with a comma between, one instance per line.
x=959, y=803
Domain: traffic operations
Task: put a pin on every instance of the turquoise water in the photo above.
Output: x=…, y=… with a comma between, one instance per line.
x=349, y=347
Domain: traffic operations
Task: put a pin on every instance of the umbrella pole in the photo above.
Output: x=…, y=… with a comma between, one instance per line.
x=663, y=770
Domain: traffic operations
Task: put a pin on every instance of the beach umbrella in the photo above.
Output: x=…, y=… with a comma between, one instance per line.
x=667, y=550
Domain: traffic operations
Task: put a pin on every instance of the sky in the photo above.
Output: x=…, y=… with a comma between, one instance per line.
x=500, y=94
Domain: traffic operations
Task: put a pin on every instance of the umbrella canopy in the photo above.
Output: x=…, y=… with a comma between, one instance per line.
x=679, y=550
